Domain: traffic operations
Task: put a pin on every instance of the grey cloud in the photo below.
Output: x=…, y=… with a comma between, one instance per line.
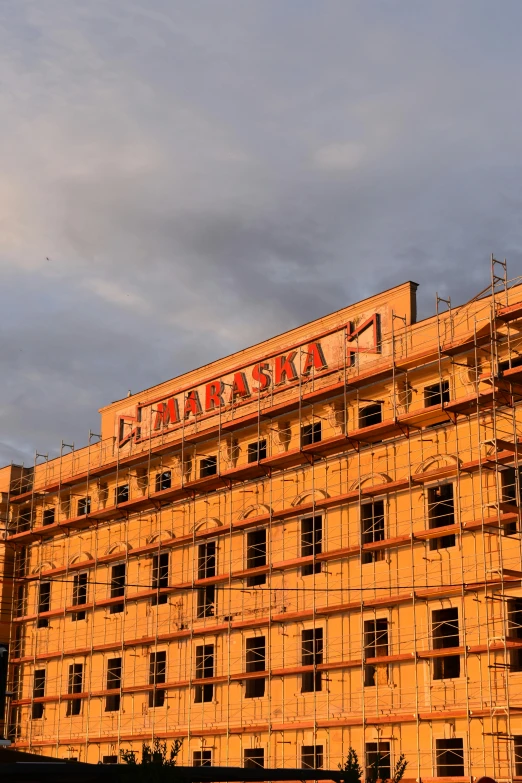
x=202, y=176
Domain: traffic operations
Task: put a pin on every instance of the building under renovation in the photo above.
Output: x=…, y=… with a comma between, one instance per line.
x=310, y=545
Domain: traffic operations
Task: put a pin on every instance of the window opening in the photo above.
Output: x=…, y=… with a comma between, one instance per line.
x=372, y=529
x=370, y=415
x=38, y=693
x=79, y=596
x=311, y=433
x=117, y=587
x=256, y=555
x=44, y=604
x=436, y=394
x=208, y=467
x=256, y=451
x=75, y=685
x=441, y=512
x=450, y=757
x=157, y=676
x=375, y=646
x=160, y=576
x=163, y=480
x=112, y=701
x=311, y=543
x=255, y=662
x=204, y=669
x=312, y=655
x=445, y=629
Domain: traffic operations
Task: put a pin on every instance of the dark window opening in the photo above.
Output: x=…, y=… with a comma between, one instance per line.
x=256, y=451
x=112, y=701
x=513, y=361
x=518, y=755
x=370, y=415
x=311, y=655
x=311, y=543
x=117, y=586
x=79, y=595
x=372, y=529
x=514, y=617
x=204, y=669
x=157, y=676
x=311, y=433
x=375, y=646
x=75, y=685
x=20, y=601
x=207, y=560
x=445, y=629
x=511, y=486
x=38, y=693
x=160, y=576
x=44, y=604
x=450, y=757
x=49, y=516
x=163, y=480
x=256, y=556
x=122, y=493
x=84, y=506
x=378, y=761
x=312, y=756
x=208, y=467
x=436, y=394
x=206, y=601
x=109, y=759
x=441, y=512
x=21, y=562
x=202, y=758
x=253, y=758
x=255, y=662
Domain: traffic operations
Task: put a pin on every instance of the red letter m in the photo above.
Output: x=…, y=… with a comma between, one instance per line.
x=166, y=413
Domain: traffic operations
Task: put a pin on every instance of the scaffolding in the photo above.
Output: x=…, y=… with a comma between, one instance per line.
x=364, y=529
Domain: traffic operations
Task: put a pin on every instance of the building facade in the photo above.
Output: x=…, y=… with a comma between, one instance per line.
x=311, y=545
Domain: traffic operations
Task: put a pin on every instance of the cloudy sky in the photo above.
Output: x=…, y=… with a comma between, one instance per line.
x=181, y=178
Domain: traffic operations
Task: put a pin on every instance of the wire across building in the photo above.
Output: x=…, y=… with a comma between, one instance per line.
x=310, y=545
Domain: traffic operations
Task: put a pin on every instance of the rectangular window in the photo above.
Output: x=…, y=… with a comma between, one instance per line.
x=256, y=555
x=44, y=604
x=163, y=480
x=514, y=617
x=375, y=646
x=311, y=655
x=378, y=762
x=109, y=759
x=84, y=506
x=157, y=676
x=207, y=560
x=507, y=364
x=445, y=629
x=253, y=758
x=311, y=433
x=255, y=662
x=370, y=415
x=208, y=467
x=206, y=601
x=75, y=685
x=311, y=543
x=160, y=576
x=20, y=601
x=117, y=586
x=204, y=669
x=112, y=701
x=372, y=529
x=518, y=756
x=79, y=595
x=257, y=451
x=441, y=512
x=436, y=394
x=312, y=756
x=202, y=758
x=122, y=493
x=48, y=517
x=206, y=596
x=511, y=485
x=38, y=693
x=450, y=757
